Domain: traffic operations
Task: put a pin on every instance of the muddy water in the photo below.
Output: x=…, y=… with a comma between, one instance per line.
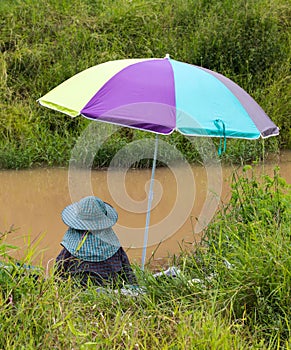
x=31, y=201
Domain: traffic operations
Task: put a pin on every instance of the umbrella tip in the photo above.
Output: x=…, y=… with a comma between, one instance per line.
x=167, y=56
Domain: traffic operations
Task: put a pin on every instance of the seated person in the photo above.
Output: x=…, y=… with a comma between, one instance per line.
x=91, y=249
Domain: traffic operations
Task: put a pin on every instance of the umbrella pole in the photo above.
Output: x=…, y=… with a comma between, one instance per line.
x=145, y=242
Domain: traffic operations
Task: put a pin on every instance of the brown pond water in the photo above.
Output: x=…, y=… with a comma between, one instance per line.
x=32, y=201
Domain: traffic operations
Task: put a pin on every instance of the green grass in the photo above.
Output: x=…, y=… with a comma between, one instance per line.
x=45, y=42
x=233, y=292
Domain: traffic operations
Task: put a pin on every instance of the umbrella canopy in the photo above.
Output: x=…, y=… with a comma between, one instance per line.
x=162, y=95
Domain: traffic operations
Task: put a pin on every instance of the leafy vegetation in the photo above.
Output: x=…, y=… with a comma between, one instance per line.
x=234, y=288
x=45, y=42
x=233, y=291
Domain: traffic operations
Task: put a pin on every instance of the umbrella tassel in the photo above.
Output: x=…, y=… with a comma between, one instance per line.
x=217, y=123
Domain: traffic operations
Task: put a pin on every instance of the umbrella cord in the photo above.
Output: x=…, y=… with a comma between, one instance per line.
x=263, y=154
x=217, y=123
x=149, y=205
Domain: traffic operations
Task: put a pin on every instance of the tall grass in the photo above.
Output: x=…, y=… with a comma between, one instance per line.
x=45, y=42
x=233, y=291
x=248, y=255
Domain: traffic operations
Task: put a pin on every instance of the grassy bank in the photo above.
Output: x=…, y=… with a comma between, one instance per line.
x=233, y=291
x=45, y=42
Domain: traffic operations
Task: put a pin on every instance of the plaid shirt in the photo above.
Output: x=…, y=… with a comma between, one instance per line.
x=115, y=269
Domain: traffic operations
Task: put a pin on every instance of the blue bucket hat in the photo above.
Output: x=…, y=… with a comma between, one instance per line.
x=93, y=246
x=90, y=213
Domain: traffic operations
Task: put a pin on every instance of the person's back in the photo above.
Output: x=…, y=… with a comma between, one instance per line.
x=91, y=249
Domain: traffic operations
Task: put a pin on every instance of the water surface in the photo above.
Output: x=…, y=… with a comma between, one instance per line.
x=31, y=201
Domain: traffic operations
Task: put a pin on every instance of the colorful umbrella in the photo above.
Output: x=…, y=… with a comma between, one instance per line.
x=160, y=96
